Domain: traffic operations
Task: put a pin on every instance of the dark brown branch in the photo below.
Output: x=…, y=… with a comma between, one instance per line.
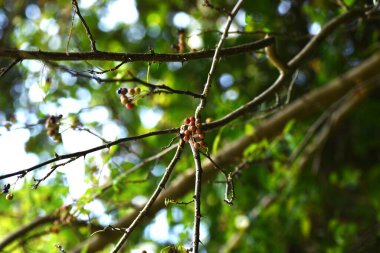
x=152, y=199
x=4, y=70
x=161, y=87
x=228, y=181
x=326, y=31
x=89, y=34
x=22, y=173
x=132, y=57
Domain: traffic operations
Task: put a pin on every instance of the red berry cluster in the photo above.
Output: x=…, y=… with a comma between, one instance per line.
x=52, y=126
x=127, y=96
x=191, y=130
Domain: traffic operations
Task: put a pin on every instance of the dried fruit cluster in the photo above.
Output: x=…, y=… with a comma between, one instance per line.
x=128, y=95
x=52, y=126
x=191, y=130
x=6, y=188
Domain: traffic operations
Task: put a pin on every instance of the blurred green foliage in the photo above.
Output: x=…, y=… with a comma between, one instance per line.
x=332, y=207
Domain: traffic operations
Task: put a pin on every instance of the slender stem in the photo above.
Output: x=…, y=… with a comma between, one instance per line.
x=154, y=196
x=216, y=58
x=88, y=151
x=197, y=197
x=88, y=31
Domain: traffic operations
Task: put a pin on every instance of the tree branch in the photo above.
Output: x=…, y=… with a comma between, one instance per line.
x=197, y=196
x=215, y=58
x=88, y=31
x=132, y=57
x=152, y=199
x=22, y=173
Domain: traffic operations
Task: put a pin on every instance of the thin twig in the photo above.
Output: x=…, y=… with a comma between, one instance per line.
x=215, y=58
x=327, y=30
x=90, y=132
x=230, y=189
x=89, y=34
x=107, y=70
x=53, y=168
x=4, y=70
x=154, y=196
x=70, y=32
x=290, y=89
x=124, y=174
x=83, y=153
x=155, y=88
x=161, y=87
x=197, y=197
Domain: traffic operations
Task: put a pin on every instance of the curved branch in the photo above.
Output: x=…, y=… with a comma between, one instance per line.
x=152, y=199
x=327, y=30
x=215, y=58
x=292, y=66
x=132, y=57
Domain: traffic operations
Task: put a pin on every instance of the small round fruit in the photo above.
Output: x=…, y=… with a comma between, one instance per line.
x=208, y=120
x=186, y=138
x=187, y=132
x=123, y=99
x=201, y=136
x=122, y=91
x=131, y=91
x=9, y=196
x=191, y=128
x=129, y=105
x=192, y=119
x=187, y=121
x=137, y=90
x=197, y=145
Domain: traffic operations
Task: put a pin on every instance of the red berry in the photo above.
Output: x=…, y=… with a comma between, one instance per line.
x=201, y=136
x=192, y=119
x=187, y=132
x=186, y=138
x=187, y=121
x=196, y=145
x=129, y=105
x=199, y=131
x=191, y=128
